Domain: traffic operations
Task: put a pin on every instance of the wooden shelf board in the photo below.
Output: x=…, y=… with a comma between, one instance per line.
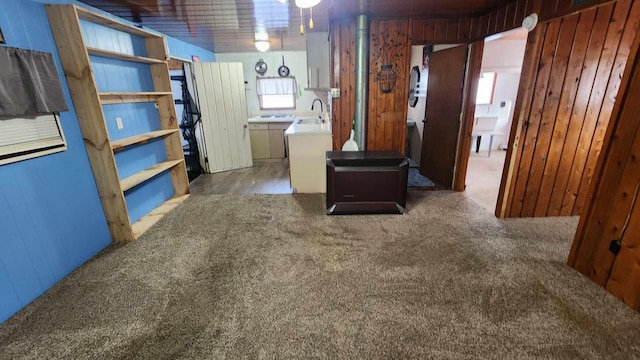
x=144, y=175
x=113, y=23
x=131, y=97
x=139, y=139
x=147, y=221
x=121, y=56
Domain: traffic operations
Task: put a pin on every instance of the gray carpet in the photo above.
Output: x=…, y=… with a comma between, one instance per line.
x=271, y=276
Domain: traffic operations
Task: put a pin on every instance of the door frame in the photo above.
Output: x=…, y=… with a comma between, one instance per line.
x=526, y=87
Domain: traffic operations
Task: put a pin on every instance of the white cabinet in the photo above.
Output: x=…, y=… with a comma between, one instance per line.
x=318, y=60
x=267, y=140
x=259, y=134
x=276, y=140
x=308, y=145
x=308, y=162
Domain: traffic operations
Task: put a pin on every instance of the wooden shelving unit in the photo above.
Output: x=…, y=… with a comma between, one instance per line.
x=142, y=225
x=146, y=174
x=118, y=145
x=119, y=56
x=107, y=98
x=88, y=102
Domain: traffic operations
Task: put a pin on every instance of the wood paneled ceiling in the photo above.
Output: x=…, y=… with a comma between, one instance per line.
x=225, y=26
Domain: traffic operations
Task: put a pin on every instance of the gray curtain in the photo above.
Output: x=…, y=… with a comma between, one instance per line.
x=29, y=83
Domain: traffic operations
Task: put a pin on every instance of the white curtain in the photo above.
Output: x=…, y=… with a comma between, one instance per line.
x=276, y=86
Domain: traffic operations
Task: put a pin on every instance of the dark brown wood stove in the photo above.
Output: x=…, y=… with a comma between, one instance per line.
x=366, y=182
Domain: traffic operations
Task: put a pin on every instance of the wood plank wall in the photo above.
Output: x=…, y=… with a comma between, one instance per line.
x=419, y=31
x=465, y=30
x=613, y=210
x=387, y=112
x=551, y=9
x=343, y=58
x=564, y=109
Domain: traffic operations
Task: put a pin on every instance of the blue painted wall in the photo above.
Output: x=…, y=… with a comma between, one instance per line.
x=51, y=219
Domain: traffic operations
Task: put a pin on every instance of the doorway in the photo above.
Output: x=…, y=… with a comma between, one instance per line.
x=447, y=74
x=185, y=102
x=450, y=98
x=497, y=90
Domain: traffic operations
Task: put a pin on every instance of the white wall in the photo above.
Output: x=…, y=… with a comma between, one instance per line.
x=504, y=57
x=296, y=61
x=417, y=113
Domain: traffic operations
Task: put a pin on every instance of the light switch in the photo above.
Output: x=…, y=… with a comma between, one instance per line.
x=119, y=123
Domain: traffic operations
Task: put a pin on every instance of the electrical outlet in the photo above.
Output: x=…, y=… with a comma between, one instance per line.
x=119, y=123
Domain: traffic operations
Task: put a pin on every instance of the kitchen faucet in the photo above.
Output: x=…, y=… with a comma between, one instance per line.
x=321, y=107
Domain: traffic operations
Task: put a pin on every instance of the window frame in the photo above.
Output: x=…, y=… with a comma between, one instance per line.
x=38, y=147
x=492, y=91
x=277, y=86
x=277, y=108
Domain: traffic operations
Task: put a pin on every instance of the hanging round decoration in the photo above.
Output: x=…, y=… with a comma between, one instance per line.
x=261, y=67
x=283, y=70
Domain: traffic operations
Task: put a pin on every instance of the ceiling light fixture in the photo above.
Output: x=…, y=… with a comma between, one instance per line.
x=306, y=4
x=262, y=45
x=262, y=40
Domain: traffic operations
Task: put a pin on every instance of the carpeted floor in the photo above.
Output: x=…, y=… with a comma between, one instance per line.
x=271, y=276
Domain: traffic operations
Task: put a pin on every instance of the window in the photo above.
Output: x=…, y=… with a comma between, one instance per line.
x=486, y=85
x=277, y=93
x=272, y=102
x=29, y=136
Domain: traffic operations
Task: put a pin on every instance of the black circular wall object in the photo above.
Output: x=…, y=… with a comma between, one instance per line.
x=283, y=70
x=261, y=67
x=414, y=86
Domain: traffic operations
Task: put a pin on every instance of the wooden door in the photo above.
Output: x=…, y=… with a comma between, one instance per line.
x=442, y=115
x=224, y=115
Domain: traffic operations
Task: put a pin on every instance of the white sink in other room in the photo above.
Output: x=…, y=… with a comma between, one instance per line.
x=308, y=140
x=309, y=126
x=310, y=121
x=273, y=118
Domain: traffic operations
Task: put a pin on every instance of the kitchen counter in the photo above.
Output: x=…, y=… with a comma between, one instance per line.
x=308, y=126
x=308, y=143
x=273, y=119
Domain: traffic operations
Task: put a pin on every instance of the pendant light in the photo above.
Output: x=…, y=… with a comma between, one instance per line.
x=262, y=41
x=306, y=4
x=262, y=45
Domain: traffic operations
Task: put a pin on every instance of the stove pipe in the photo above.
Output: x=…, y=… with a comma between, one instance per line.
x=362, y=80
